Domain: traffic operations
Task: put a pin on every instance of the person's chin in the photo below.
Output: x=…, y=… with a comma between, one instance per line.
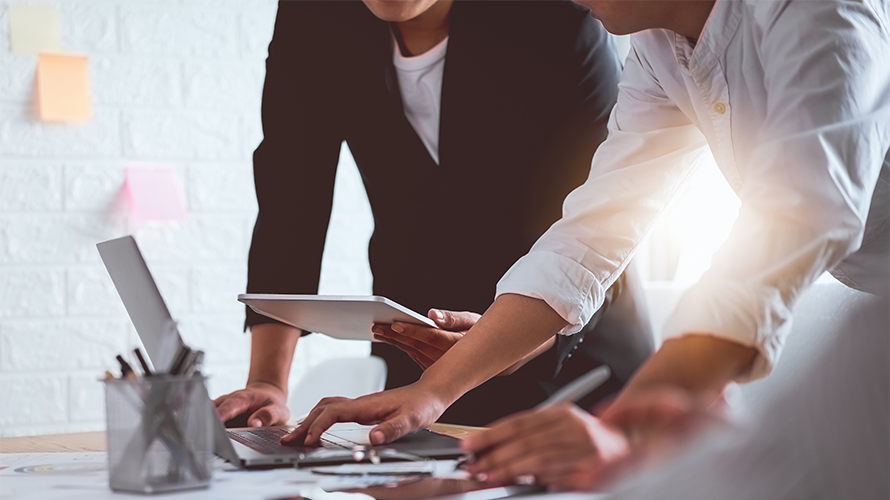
x=391, y=11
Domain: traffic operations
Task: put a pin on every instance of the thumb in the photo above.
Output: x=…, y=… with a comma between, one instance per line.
x=452, y=320
x=390, y=430
x=268, y=415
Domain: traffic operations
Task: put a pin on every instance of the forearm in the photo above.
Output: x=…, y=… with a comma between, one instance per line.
x=530, y=356
x=510, y=329
x=697, y=364
x=271, y=353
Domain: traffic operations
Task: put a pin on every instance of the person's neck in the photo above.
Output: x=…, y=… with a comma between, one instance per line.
x=689, y=17
x=425, y=31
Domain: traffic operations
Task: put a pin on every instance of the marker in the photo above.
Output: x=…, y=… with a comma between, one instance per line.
x=127, y=372
x=145, y=369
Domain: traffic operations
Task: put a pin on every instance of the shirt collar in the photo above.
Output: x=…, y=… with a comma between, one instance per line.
x=716, y=34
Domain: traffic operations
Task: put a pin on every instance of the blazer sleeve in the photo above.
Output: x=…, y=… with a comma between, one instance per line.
x=584, y=78
x=295, y=165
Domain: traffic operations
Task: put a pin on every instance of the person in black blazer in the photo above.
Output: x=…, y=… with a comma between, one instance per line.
x=526, y=91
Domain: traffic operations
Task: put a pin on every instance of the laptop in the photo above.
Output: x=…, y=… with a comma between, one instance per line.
x=248, y=447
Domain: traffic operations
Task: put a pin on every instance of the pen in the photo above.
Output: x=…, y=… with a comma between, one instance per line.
x=145, y=369
x=580, y=387
x=184, y=353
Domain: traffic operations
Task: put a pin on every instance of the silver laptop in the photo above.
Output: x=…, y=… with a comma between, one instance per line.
x=247, y=447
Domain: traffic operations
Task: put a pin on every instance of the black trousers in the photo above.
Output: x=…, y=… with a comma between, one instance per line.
x=619, y=335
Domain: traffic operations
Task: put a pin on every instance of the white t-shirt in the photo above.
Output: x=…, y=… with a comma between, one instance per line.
x=420, y=83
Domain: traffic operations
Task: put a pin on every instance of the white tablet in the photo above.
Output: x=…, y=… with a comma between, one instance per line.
x=348, y=317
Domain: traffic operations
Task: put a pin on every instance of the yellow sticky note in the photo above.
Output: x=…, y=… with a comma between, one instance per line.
x=34, y=28
x=63, y=88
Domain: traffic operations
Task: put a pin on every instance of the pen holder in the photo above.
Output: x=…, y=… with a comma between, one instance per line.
x=159, y=438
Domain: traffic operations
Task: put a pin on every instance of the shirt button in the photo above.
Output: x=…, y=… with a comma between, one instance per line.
x=736, y=186
x=720, y=108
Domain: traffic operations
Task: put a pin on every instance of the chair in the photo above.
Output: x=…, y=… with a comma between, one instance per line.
x=347, y=377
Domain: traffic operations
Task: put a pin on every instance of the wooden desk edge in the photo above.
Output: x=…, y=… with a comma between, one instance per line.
x=84, y=442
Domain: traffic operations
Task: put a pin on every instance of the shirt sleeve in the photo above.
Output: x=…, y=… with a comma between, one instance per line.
x=651, y=150
x=809, y=186
x=296, y=163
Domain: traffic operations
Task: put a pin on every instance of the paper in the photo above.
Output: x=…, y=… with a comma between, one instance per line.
x=84, y=476
x=63, y=88
x=155, y=195
x=34, y=28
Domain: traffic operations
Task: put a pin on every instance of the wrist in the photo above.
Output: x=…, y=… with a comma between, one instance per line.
x=267, y=385
x=443, y=388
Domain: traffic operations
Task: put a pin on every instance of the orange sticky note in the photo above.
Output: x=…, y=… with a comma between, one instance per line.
x=155, y=195
x=63, y=88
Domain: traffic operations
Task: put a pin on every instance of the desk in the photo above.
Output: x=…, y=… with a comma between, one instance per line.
x=96, y=441
x=80, y=473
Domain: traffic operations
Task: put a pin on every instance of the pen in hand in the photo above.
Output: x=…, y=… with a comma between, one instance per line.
x=572, y=392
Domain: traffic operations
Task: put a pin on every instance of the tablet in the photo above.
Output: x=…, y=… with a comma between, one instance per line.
x=348, y=317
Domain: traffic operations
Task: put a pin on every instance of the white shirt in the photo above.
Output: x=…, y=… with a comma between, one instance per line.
x=420, y=83
x=793, y=99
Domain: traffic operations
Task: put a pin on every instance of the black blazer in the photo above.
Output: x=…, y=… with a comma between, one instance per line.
x=526, y=94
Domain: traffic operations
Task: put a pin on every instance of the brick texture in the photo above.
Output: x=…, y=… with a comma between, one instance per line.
x=177, y=83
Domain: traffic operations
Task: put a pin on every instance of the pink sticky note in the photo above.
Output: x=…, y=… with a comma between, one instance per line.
x=155, y=195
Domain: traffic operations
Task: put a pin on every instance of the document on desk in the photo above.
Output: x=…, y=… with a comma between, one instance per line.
x=84, y=476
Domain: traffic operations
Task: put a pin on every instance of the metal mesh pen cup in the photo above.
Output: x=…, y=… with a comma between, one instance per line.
x=159, y=438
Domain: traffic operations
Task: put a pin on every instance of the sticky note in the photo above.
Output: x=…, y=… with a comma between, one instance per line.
x=63, y=88
x=34, y=28
x=155, y=194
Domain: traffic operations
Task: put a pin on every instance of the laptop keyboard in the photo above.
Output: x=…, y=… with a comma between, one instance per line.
x=266, y=440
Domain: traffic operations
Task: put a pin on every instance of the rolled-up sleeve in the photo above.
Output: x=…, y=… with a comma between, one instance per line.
x=651, y=150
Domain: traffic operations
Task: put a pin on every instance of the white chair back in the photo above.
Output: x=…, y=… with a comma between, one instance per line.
x=347, y=377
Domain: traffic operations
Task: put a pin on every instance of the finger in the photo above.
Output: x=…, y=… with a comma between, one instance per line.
x=428, y=350
x=298, y=435
x=545, y=451
x=341, y=410
x=511, y=428
x=421, y=358
x=381, y=329
x=231, y=406
x=269, y=415
x=421, y=336
x=393, y=429
x=545, y=463
x=453, y=320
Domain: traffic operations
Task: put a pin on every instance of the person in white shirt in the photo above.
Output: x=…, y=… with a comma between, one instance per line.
x=793, y=99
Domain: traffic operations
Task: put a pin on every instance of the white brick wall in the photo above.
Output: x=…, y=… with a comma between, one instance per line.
x=174, y=82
